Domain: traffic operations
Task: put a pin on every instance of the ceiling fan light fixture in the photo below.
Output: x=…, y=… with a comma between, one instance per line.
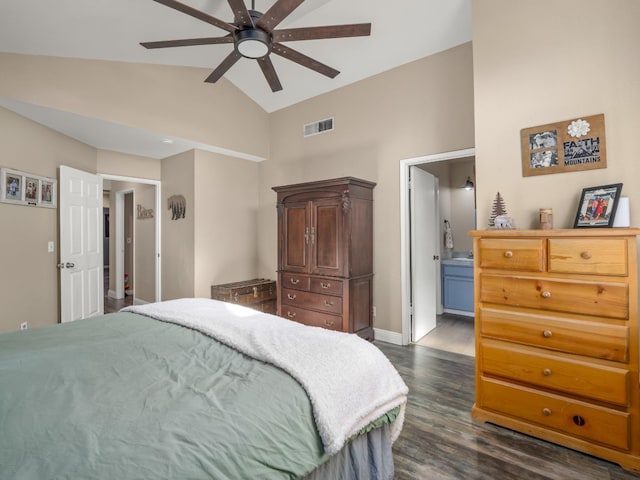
x=252, y=43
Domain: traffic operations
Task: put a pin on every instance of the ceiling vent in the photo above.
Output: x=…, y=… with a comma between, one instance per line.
x=321, y=126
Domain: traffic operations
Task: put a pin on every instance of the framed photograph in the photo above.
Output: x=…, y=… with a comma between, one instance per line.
x=597, y=206
x=567, y=146
x=26, y=189
x=48, y=193
x=31, y=190
x=12, y=186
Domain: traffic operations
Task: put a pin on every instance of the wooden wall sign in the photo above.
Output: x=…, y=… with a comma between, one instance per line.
x=568, y=146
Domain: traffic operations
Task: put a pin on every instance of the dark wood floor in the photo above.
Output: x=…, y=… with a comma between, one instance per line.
x=440, y=441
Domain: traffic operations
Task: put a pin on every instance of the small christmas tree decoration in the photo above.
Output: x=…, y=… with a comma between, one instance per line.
x=498, y=208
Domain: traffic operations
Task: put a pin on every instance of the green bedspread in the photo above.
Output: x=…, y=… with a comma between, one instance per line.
x=126, y=397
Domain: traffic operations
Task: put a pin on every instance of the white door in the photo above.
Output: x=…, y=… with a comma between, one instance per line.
x=81, y=270
x=424, y=251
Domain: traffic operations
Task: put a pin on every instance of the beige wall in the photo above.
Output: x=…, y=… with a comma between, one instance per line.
x=173, y=101
x=579, y=58
x=29, y=272
x=226, y=206
x=178, y=260
x=124, y=165
x=422, y=108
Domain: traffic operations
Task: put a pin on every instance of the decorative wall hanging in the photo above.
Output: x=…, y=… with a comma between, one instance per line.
x=144, y=213
x=178, y=206
x=597, y=206
x=568, y=146
x=25, y=189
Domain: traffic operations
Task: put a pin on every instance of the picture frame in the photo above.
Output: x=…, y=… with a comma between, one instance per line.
x=597, y=206
x=567, y=146
x=23, y=188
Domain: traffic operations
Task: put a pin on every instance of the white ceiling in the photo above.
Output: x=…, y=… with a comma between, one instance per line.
x=401, y=32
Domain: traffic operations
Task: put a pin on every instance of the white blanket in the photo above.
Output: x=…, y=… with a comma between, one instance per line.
x=350, y=381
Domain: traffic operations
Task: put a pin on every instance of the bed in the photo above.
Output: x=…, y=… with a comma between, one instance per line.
x=195, y=389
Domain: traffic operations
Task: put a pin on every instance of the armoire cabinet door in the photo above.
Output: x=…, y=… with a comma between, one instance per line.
x=326, y=237
x=296, y=232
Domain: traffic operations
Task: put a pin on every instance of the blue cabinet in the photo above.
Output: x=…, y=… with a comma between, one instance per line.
x=457, y=285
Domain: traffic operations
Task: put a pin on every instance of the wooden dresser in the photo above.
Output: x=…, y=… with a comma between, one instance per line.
x=557, y=337
x=325, y=254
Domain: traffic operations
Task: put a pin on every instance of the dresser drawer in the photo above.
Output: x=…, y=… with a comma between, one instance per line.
x=299, y=282
x=551, y=371
x=513, y=254
x=326, y=286
x=598, y=340
x=604, y=299
x=591, y=422
x=311, y=318
x=594, y=256
x=315, y=301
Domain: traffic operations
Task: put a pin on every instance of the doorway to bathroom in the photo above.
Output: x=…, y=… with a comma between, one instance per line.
x=452, y=171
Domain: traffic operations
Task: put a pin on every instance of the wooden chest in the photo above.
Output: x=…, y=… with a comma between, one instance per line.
x=557, y=337
x=258, y=293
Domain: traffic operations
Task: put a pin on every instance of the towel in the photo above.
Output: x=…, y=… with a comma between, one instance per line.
x=349, y=381
x=448, y=236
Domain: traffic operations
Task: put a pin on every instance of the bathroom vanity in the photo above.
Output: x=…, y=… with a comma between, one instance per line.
x=457, y=286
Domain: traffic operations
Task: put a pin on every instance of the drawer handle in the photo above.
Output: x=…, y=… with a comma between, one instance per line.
x=325, y=285
x=585, y=255
x=508, y=254
x=295, y=281
x=546, y=372
x=546, y=294
x=547, y=334
x=291, y=296
x=291, y=315
x=328, y=303
x=328, y=323
x=255, y=292
x=546, y=412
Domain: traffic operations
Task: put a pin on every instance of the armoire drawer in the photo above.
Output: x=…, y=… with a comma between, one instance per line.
x=593, y=339
x=551, y=371
x=605, y=299
x=591, y=422
x=326, y=286
x=315, y=301
x=593, y=256
x=513, y=254
x=291, y=280
x=311, y=318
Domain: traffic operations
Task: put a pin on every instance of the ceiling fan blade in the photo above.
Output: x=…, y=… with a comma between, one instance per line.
x=241, y=14
x=270, y=73
x=226, y=64
x=277, y=13
x=301, y=59
x=315, y=33
x=181, y=7
x=187, y=42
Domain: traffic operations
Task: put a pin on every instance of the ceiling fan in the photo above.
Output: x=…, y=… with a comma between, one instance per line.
x=254, y=36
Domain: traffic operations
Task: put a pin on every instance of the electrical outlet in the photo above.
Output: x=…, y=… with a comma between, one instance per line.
x=23, y=326
x=374, y=311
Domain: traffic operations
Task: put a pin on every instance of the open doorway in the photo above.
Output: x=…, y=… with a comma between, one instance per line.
x=451, y=170
x=134, y=242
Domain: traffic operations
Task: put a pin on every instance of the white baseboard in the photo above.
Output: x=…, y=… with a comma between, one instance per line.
x=388, y=336
x=112, y=294
x=139, y=301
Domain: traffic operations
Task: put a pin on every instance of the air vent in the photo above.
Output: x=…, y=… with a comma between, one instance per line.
x=318, y=127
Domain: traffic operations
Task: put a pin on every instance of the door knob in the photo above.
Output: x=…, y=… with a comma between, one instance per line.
x=70, y=265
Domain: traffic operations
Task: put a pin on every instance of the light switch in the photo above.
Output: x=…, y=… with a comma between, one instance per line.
x=50, y=246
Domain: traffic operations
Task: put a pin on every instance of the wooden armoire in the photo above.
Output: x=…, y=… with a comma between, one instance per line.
x=325, y=254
